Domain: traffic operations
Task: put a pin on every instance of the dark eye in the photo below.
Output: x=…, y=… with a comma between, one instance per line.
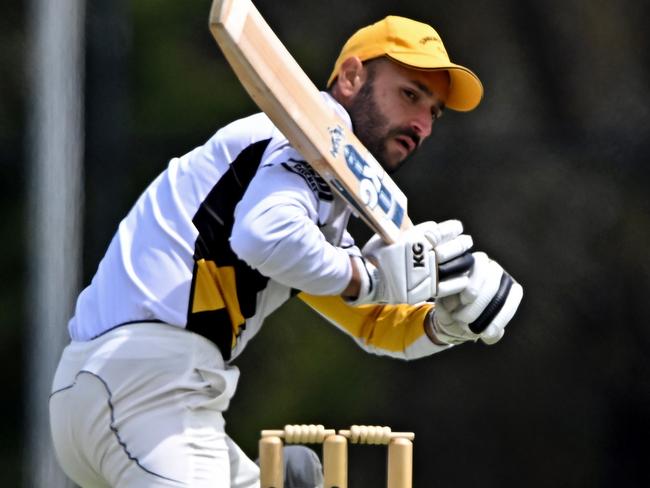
x=410, y=94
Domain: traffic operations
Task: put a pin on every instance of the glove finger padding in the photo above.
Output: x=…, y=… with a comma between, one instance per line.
x=453, y=248
x=495, y=330
x=451, y=286
x=491, y=275
x=477, y=276
x=450, y=303
x=447, y=239
x=453, y=275
x=460, y=265
x=482, y=310
x=442, y=232
x=453, y=260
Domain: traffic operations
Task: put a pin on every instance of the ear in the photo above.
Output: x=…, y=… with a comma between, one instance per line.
x=351, y=77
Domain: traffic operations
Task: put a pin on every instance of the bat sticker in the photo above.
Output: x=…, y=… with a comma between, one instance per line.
x=373, y=191
x=336, y=134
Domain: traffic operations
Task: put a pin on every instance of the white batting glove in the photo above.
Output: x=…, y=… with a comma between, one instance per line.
x=430, y=260
x=482, y=310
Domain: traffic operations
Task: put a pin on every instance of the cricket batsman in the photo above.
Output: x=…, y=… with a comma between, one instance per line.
x=229, y=232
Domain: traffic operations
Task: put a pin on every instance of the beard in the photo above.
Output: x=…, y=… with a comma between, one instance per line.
x=373, y=128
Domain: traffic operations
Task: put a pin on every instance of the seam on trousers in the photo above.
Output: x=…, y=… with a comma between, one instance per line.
x=112, y=424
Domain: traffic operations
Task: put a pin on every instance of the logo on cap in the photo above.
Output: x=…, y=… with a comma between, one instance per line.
x=424, y=40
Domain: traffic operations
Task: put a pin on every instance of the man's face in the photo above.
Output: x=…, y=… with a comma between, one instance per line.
x=394, y=110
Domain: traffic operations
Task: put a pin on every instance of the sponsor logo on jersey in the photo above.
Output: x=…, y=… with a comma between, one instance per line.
x=316, y=183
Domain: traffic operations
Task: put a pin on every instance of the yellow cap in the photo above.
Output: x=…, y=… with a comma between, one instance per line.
x=417, y=46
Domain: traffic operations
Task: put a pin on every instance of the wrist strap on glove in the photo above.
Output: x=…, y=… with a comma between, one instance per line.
x=440, y=335
x=369, y=284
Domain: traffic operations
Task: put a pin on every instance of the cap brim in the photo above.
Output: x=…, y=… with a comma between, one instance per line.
x=466, y=90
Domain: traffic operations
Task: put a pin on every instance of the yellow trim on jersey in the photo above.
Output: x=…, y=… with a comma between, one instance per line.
x=206, y=294
x=388, y=327
x=215, y=288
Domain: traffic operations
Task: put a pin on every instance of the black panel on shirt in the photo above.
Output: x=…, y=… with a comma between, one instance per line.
x=214, y=220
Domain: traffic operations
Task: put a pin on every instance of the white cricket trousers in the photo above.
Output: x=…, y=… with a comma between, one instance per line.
x=141, y=407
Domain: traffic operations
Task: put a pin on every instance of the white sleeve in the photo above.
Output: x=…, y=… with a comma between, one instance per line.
x=276, y=232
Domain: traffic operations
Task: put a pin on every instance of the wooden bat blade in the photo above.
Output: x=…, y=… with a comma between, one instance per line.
x=281, y=89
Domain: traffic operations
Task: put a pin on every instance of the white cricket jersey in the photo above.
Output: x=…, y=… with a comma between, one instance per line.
x=228, y=233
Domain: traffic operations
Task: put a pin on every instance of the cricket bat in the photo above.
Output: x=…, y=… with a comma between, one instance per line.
x=281, y=89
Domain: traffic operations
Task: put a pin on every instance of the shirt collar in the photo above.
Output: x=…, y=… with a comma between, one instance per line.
x=338, y=108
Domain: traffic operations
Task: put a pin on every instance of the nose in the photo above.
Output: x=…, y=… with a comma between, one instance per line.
x=422, y=123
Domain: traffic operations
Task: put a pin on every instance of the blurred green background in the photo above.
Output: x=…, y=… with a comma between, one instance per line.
x=549, y=175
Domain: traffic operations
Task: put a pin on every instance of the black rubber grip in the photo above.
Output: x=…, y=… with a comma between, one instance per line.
x=494, y=307
x=456, y=266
